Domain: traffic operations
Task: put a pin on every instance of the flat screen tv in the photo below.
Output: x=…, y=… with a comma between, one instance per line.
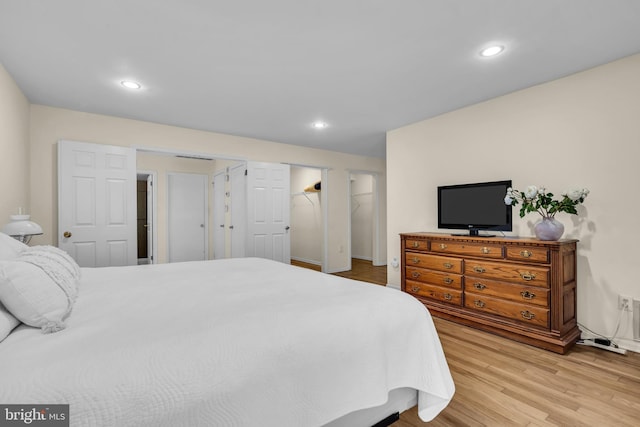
x=474, y=207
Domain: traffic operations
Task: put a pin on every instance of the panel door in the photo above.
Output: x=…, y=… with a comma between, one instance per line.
x=268, y=211
x=97, y=203
x=219, y=240
x=237, y=210
x=187, y=206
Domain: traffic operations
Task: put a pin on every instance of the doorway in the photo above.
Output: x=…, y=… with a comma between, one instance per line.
x=307, y=219
x=362, y=225
x=309, y=211
x=146, y=213
x=161, y=163
x=365, y=222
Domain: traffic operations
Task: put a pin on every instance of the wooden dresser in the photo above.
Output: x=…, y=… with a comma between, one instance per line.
x=520, y=288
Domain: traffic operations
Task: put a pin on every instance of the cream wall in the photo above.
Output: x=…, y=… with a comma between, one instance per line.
x=582, y=130
x=14, y=149
x=48, y=125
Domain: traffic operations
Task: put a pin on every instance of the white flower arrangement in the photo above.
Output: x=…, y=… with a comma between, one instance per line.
x=537, y=199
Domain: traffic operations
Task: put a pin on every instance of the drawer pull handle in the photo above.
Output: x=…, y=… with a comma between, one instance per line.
x=479, y=303
x=526, y=254
x=485, y=250
x=416, y=244
x=478, y=269
x=528, y=295
x=415, y=260
x=527, y=315
x=528, y=276
x=415, y=274
x=448, y=280
x=448, y=297
x=415, y=288
x=447, y=265
x=443, y=246
x=479, y=286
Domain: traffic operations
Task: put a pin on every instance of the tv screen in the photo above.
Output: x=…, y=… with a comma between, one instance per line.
x=473, y=207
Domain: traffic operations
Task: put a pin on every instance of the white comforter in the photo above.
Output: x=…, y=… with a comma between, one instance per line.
x=240, y=342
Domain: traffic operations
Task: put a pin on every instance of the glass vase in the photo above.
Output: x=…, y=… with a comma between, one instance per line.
x=548, y=228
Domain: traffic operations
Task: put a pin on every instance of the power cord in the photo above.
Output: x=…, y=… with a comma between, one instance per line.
x=615, y=334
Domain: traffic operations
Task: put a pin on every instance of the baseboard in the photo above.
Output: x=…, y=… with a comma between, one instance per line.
x=364, y=258
x=389, y=285
x=628, y=344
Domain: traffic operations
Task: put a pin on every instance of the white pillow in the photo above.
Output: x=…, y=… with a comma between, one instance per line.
x=7, y=322
x=40, y=287
x=10, y=248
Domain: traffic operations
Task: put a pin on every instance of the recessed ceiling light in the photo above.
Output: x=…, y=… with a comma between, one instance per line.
x=319, y=125
x=129, y=84
x=492, y=50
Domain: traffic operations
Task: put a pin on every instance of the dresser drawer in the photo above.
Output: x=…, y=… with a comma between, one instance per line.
x=434, y=277
x=479, y=250
x=517, y=293
x=527, y=254
x=416, y=244
x=435, y=262
x=522, y=274
x=452, y=296
x=528, y=314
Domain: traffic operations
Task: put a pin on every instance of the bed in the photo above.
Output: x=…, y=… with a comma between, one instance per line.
x=236, y=342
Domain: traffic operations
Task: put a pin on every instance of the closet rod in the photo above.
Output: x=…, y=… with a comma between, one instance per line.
x=305, y=194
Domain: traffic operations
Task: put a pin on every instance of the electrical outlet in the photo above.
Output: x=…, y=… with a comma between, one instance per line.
x=625, y=303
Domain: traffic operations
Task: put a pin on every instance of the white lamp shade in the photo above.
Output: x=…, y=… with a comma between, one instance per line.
x=21, y=226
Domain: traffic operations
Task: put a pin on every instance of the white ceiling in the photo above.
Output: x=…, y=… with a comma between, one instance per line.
x=268, y=68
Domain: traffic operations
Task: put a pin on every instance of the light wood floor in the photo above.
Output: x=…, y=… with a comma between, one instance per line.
x=365, y=271
x=500, y=382
x=360, y=270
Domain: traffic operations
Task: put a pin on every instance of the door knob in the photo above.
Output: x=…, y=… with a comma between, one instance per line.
x=287, y=227
x=201, y=225
x=231, y=227
x=66, y=234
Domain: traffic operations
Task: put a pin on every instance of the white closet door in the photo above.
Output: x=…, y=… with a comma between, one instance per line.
x=237, y=210
x=97, y=203
x=268, y=211
x=219, y=241
x=187, y=205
